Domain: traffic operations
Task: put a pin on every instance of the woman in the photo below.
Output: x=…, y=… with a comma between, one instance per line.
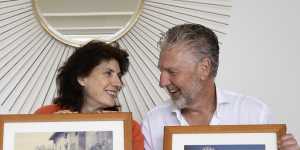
x=89, y=82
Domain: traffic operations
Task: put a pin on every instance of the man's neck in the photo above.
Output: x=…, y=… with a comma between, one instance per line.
x=202, y=108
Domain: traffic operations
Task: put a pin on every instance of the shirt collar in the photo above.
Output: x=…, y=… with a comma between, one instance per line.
x=221, y=101
x=221, y=98
x=178, y=115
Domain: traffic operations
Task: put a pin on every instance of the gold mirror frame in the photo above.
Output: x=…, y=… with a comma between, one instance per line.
x=53, y=32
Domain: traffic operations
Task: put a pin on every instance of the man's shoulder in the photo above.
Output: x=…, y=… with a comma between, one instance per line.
x=246, y=109
x=242, y=100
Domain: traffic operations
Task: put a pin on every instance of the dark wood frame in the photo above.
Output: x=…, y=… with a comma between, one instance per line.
x=126, y=117
x=279, y=129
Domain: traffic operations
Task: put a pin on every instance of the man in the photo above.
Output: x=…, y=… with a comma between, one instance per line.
x=188, y=63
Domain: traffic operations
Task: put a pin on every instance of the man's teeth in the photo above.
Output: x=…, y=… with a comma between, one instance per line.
x=172, y=91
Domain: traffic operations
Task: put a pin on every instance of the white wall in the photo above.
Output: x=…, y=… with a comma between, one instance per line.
x=260, y=56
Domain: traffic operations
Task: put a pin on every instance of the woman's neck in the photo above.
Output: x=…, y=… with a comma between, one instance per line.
x=90, y=109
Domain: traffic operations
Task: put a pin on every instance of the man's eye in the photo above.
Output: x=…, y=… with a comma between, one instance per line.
x=172, y=72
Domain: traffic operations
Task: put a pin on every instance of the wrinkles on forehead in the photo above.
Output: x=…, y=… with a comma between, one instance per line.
x=181, y=48
x=197, y=47
x=178, y=55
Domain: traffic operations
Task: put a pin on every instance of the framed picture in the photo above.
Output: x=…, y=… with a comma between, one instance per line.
x=109, y=131
x=223, y=137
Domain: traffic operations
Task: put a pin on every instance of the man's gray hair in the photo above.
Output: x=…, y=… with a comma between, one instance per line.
x=202, y=40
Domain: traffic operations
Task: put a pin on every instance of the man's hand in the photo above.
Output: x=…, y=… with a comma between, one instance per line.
x=288, y=142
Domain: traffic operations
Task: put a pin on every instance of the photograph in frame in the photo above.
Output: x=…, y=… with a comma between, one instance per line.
x=224, y=137
x=109, y=131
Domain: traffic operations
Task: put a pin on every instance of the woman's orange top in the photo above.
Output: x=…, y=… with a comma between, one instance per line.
x=137, y=136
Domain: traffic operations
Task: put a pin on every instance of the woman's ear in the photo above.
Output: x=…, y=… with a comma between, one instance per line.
x=81, y=81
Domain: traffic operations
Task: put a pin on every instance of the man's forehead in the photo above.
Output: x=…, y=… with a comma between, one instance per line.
x=183, y=45
x=177, y=50
x=175, y=57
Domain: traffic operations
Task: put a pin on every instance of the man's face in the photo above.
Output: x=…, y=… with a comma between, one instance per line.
x=179, y=74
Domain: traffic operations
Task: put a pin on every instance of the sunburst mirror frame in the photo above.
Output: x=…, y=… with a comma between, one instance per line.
x=30, y=57
x=56, y=34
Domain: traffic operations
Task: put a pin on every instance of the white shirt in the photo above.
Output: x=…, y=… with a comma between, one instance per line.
x=232, y=108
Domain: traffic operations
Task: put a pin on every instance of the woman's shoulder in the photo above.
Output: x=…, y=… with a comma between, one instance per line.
x=48, y=109
x=135, y=124
x=138, y=138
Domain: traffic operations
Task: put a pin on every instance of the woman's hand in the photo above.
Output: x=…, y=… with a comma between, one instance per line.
x=104, y=111
x=66, y=112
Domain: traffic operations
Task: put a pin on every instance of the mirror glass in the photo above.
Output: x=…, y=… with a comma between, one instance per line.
x=76, y=22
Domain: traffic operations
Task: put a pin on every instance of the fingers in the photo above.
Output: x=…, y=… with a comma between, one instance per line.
x=104, y=111
x=66, y=112
x=75, y=112
x=288, y=142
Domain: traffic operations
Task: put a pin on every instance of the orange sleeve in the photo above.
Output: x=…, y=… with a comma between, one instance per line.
x=137, y=137
x=49, y=109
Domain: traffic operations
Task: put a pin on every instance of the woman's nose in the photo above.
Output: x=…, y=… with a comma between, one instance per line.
x=117, y=82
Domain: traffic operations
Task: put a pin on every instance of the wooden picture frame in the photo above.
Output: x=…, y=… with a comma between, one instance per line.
x=256, y=137
x=111, y=129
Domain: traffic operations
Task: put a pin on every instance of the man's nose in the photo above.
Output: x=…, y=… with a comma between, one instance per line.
x=164, y=80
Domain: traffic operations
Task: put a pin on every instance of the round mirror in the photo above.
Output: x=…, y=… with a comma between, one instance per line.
x=76, y=22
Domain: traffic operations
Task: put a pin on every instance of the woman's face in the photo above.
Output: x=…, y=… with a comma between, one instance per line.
x=101, y=86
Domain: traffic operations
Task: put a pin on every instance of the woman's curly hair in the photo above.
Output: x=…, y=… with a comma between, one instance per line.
x=80, y=64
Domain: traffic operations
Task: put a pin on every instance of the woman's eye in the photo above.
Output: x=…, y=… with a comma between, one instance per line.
x=109, y=73
x=120, y=75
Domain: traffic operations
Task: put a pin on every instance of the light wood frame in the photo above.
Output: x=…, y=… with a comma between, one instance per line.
x=169, y=131
x=126, y=117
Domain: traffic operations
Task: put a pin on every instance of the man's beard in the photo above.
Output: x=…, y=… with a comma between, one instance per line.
x=185, y=98
x=180, y=102
x=179, y=99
